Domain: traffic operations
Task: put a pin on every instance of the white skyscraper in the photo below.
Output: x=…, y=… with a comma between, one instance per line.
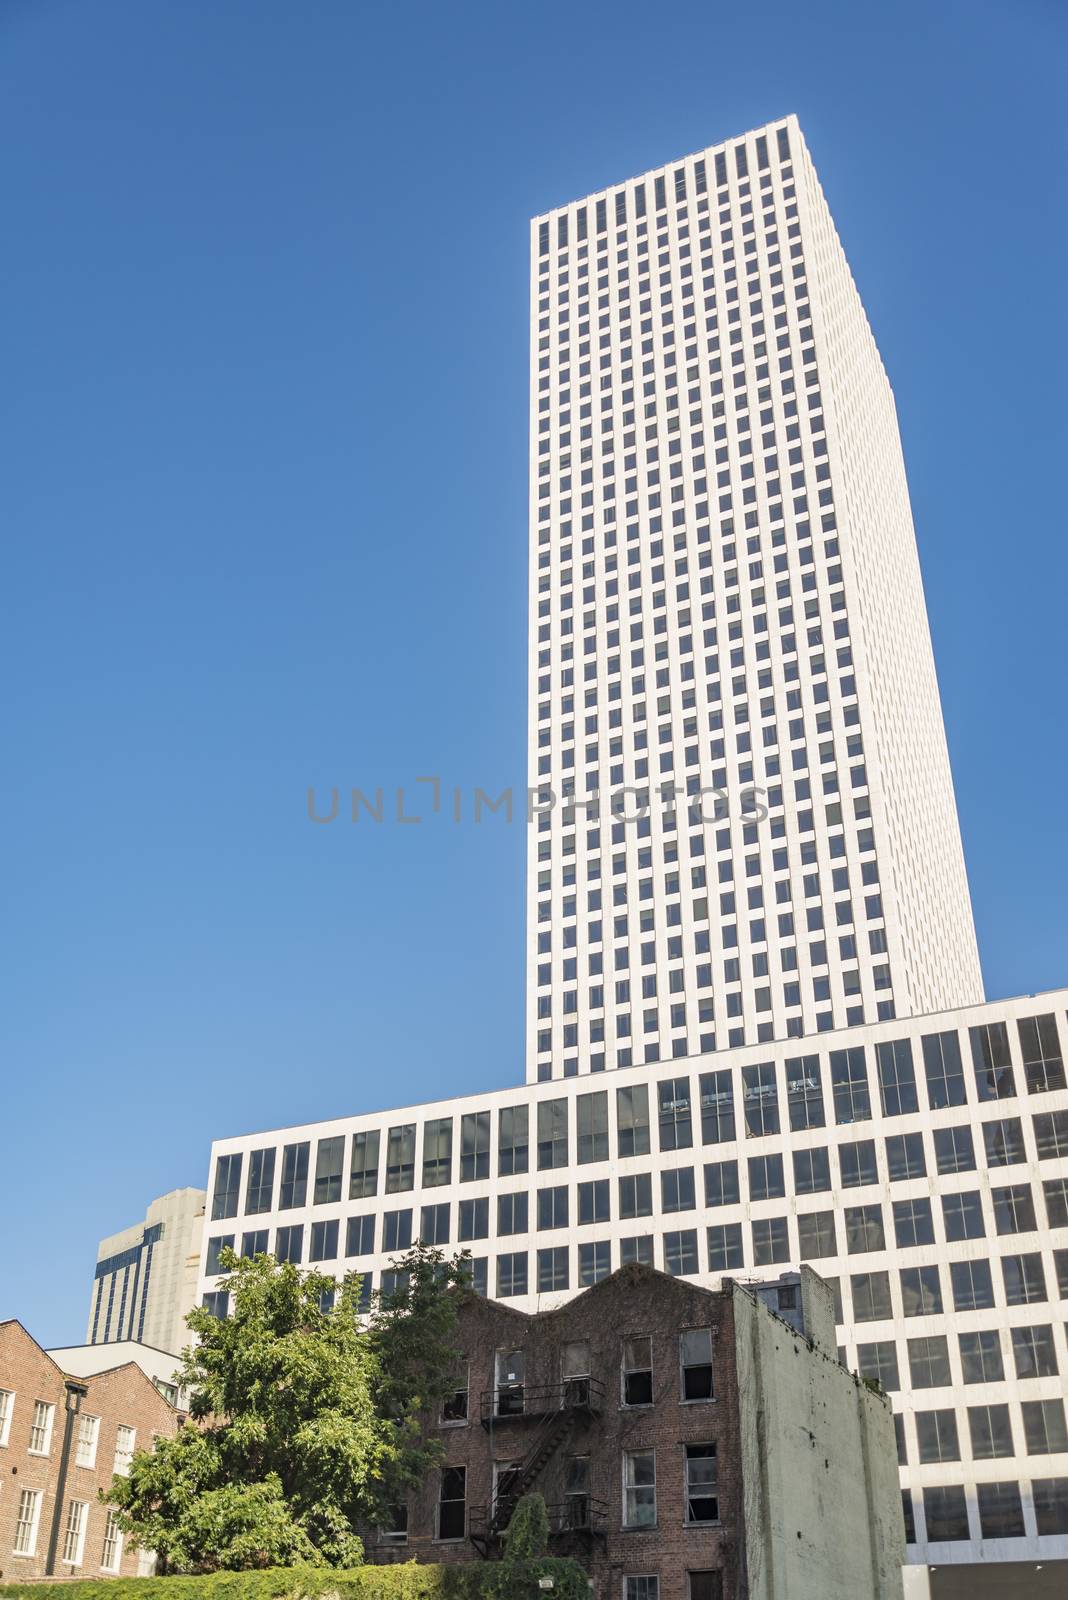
x=725, y=595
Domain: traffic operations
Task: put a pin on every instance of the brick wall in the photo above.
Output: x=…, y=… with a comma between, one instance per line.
x=121, y=1397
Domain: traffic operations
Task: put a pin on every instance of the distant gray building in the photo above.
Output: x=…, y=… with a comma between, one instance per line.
x=146, y=1276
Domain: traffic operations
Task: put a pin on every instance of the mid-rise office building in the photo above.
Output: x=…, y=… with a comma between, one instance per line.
x=726, y=600
x=145, y=1281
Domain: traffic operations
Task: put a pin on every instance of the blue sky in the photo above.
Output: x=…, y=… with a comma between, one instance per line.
x=264, y=431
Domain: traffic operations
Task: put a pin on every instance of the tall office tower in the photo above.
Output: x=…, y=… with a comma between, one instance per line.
x=146, y=1276
x=725, y=596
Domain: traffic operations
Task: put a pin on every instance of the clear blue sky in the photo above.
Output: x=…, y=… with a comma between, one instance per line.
x=263, y=490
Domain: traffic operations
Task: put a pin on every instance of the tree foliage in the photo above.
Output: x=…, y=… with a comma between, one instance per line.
x=303, y=1419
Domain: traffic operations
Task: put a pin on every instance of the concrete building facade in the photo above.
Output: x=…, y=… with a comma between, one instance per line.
x=690, y=1445
x=63, y=1437
x=146, y=1276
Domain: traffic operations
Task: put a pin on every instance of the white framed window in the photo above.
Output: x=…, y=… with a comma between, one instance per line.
x=7, y=1406
x=27, y=1521
x=124, y=1448
x=639, y=1489
x=643, y=1586
x=88, y=1434
x=41, y=1428
x=74, y=1533
x=111, y=1555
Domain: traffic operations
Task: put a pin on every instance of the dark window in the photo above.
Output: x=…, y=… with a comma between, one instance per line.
x=1055, y=1193
x=812, y=1171
x=946, y=1513
x=591, y=1119
x=434, y=1224
x=639, y=1248
x=992, y=1061
x=991, y=1432
x=594, y=1203
x=638, y=1371
x=216, y=1303
x=553, y=1269
x=944, y=1069
x=1000, y=1511
x=921, y=1291
x=936, y=1436
x=760, y=1099
x=849, y=1083
x=717, y=1108
x=474, y=1219
x=980, y=1356
x=721, y=1183
x=973, y=1287
x=396, y=1230
x=293, y=1191
x=400, y=1159
x=1051, y=1134
x=871, y=1296
x=1051, y=1504
x=636, y=1196
x=632, y=1120
x=954, y=1150
x=437, y=1152
x=363, y=1174
x=904, y=1157
x=221, y=1242
x=1041, y=1051
x=858, y=1164
x=804, y=1093
x=254, y=1244
x=1034, y=1352
x=1044, y=1430
x=360, y=1236
x=329, y=1162
x=553, y=1207
x=766, y=1178
x=897, y=1077
x=677, y=1190
x=452, y=1503
x=816, y=1235
x=929, y=1362
x=676, y=1126
x=324, y=1241
x=878, y=1362
x=864, y=1229
x=259, y=1195
x=289, y=1243
x=913, y=1223
x=680, y=1252
x=725, y=1247
x=474, y=1146
x=594, y=1262
x=552, y=1134
x=513, y=1141
x=512, y=1213
x=771, y=1240
x=1014, y=1208
x=695, y=1353
x=962, y=1216
x=702, y=1503
x=227, y=1191
x=1004, y=1142
x=511, y=1275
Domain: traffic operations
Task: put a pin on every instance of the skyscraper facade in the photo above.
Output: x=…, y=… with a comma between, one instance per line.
x=774, y=958
x=728, y=638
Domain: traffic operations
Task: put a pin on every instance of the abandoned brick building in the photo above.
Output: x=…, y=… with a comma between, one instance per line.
x=690, y=1444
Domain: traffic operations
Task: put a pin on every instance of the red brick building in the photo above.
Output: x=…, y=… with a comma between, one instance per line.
x=690, y=1444
x=62, y=1440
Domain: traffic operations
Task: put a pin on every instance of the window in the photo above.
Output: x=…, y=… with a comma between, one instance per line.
x=216, y=1246
x=474, y=1219
x=260, y=1192
x=946, y=1513
x=636, y=1196
x=871, y=1296
x=639, y=1489
x=452, y=1503
x=676, y=1126
x=1050, y=1496
x=591, y=1122
x=858, y=1164
x=962, y=1215
x=760, y=1099
x=553, y=1269
x=973, y=1287
x=980, y=1356
x=26, y=1523
x=904, y=1157
x=7, y=1406
x=991, y=1432
x=227, y=1187
x=1004, y=1142
x=434, y=1224
x=396, y=1230
x=1051, y=1134
x=929, y=1362
x=1024, y=1279
x=74, y=1533
x=294, y=1187
x=680, y=1252
x=88, y=1434
x=1044, y=1430
x=632, y=1120
x=289, y=1243
x=394, y=1528
x=510, y=1376
x=849, y=1084
x=771, y=1240
x=363, y=1174
x=474, y=1146
x=1014, y=1208
x=124, y=1448
x=638, y=1247
x=41, y=1428
x=437, y=1152
x=704, y=1585
x=921, y=1291
x=400, y=1159
x=766, y=1180
x=878, y=1362
x=717, y=1108
x=944, y=1069
x=725, y=1247
x=324, y=1241
x=804, y=1093
x=638, y=1371
x=329, y=1164
x=864, y=1229
x=816, y=1236
x=641, y=1588
x=1034, y=1352
x=360, y=1236
x=936, y=1436
x=992, y=1061
x=454, y=1405
x=812, y=1170
x=1055, y=1194
x=913, y=1223
x=594, y=1262
x=677, y=1190
x=1041, y=1051
x=512, y=1213
x=511, y=1275
x=111, y=1553
x=702, y=1504
x=695, y=1354
x=255, y=1243
x=552, y=1134
x=216, y=1303
x=954, y=1151
x=513, y=1141
x=594, y=1202
x=897, y=1077
x=577, y=1491
x=1000, y=1511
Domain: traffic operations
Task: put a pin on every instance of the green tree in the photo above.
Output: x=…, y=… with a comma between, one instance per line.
x=303, y=1421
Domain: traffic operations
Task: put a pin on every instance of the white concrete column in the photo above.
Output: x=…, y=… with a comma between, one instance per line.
x=917, y=1582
